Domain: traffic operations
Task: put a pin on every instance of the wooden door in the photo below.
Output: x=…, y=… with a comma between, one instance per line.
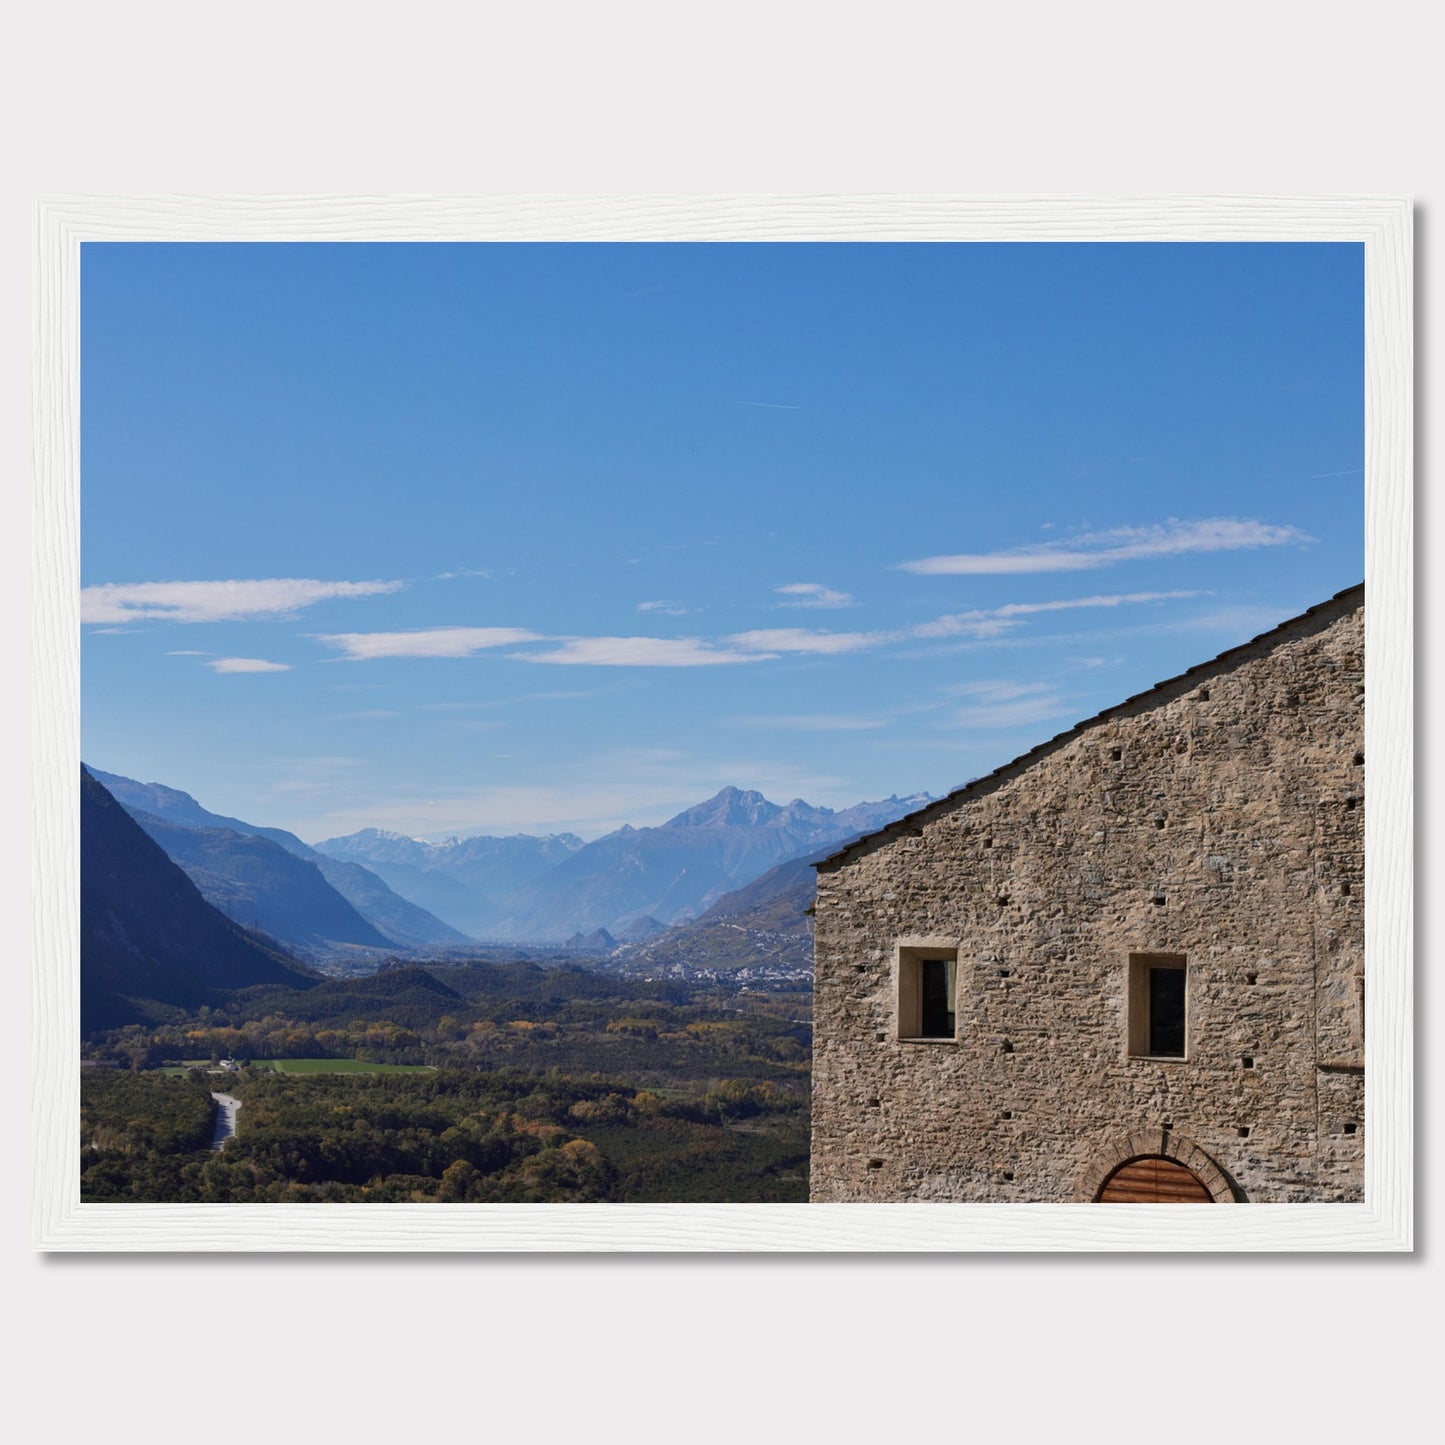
x=1153, y=1180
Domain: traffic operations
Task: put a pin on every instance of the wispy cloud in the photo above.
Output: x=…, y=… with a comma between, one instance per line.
x=976, y=625
x=114, y=602
x=999, y=704
x=462, y=572
x=310, y=777
x=980, y=624
x=493, y=702
x=812, y=594
x=995, y=689
x=246, y=664
x=767, y=405
x=425, y=642
x=183, y=652
x=669, y=609
x=1121, y=544
x=813, y=723
x=1244, y=621
x=641, y=652
x=1111, y=599
x=772, y=640
x=753, y=646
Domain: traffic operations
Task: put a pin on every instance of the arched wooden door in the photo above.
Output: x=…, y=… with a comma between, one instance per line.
x=1154, y=1180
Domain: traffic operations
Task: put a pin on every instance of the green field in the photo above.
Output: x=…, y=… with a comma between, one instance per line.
x=313, y=1066
x=338, y=1066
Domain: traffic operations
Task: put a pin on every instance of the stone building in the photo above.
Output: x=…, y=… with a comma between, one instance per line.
x=1127, y=966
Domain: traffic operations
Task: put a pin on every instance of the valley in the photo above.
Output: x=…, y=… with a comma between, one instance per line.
x=647, y=1038
x=468, y=1081
x=721, y=887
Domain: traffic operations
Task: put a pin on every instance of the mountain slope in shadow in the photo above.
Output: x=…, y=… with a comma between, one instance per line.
x=148, y=939
x=398, y=921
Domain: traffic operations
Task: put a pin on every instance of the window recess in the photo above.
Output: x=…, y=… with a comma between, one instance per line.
x=927, y=993
x=1158, y=1006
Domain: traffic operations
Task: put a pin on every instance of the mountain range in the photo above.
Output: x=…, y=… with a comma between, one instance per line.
x=466, y=881
x=269, y=879
x=723, y=884
x=627, y=883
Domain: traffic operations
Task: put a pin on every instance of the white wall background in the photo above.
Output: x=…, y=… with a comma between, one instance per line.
x=1103, y=98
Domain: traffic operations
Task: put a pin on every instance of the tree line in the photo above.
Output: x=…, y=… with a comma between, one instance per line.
x=505, y=1136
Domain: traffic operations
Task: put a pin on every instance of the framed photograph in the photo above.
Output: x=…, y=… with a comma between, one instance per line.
x=768, y=723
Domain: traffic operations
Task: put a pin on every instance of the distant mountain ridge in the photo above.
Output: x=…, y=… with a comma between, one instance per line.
x=466, y=881
x=376, y=887
x=148, y=939
x=730, y=808
x=346, y=904
x=261, y=885
x=556, y=889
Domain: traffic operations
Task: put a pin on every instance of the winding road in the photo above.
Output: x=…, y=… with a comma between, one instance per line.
x=225, y=1119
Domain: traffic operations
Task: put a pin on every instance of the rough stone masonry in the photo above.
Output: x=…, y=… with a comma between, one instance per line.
x=1214, y=824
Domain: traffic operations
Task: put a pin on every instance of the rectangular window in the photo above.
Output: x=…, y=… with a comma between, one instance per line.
x=1158, y=1006
x=939, y=984
x=927, y=992
x=1166, y=1011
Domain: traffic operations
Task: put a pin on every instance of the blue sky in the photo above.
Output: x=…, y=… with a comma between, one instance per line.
x=503, y=538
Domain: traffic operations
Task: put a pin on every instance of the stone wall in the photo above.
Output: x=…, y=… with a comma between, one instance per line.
x=1219, y=817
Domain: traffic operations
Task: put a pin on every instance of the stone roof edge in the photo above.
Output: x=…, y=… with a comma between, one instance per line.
x=909, y=821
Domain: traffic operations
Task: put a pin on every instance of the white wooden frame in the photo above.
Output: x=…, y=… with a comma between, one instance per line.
x=1382, y=1222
